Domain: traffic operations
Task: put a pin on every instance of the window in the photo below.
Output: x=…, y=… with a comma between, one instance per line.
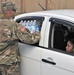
x=31, y=21
x=61, y=32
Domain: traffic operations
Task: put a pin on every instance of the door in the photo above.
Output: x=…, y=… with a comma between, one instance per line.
x=55, y=60
x=31, y=54
x=55, y=63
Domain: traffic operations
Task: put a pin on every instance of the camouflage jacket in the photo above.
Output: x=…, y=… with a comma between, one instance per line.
x=10, y=33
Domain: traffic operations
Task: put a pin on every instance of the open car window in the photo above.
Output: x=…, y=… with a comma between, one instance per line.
x=62, y=31
x=32, y=23
x=29, y=20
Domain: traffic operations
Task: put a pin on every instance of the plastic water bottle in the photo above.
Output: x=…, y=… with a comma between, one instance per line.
x=31, y=23
x=24, y=23
x=21, y=22
x=33, y=27
x=37, y=27
x=27, y=25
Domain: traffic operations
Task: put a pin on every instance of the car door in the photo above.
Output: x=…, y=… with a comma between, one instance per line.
x=56, y=61
x=31, y=54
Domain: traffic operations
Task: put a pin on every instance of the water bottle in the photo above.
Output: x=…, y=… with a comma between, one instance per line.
x=37, y=27
x=31, y=23
x=33, y=27
x=24, y=23
x=21, y=22
x=27, y=24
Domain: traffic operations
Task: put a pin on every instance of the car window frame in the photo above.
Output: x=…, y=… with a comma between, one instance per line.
x=30, y=17
x=56, y=20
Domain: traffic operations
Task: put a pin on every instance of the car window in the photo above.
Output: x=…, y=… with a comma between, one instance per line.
x=62, y=31
x=31, y=21
x=28, y=20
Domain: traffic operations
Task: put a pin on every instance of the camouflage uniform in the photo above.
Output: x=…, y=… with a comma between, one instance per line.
x=13, y=55
x=10, y=33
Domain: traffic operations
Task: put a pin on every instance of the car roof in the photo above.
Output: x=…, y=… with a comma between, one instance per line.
x=69, y=12
x=65, y=13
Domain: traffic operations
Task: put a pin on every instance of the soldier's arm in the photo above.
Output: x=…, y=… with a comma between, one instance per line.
x=25, y=36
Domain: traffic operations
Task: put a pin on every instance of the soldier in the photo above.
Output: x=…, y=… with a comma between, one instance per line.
x=10, y=33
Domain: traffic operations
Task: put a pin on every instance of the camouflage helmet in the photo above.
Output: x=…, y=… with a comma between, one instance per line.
x=8, y=6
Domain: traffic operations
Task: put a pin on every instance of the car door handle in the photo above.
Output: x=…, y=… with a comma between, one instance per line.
x=47, y=61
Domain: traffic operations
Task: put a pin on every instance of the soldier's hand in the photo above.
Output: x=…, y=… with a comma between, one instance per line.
x=23, y=29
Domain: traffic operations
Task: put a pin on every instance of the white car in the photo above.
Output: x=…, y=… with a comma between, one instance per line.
x=48, y=56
